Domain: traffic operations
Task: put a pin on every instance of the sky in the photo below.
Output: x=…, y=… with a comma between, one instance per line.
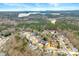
x=38, y=6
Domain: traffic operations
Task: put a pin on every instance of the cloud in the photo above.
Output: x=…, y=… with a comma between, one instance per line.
x=12, y=4
x=16, y=5
x=29, y=6
x=54, y=4
x=37, y=6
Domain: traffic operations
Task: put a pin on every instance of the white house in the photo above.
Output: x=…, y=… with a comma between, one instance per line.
x=53, y=21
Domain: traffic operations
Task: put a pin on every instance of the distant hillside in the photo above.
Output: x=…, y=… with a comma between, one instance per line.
x=49, y=14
